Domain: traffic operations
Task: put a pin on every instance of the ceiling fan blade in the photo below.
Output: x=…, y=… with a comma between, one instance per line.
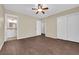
x=34, y=9
x=43, y=12
x=45, y=8
x=37, y=12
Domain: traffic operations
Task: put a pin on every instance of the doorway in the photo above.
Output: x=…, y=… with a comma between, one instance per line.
x=40, y=27
x=10, y=27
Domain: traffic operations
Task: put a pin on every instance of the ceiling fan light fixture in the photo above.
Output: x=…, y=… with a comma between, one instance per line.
x=39, y=10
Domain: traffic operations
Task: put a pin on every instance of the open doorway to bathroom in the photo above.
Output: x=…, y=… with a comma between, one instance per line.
x=10, y=27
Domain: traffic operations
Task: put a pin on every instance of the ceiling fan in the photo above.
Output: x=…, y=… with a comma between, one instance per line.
x=40, y=9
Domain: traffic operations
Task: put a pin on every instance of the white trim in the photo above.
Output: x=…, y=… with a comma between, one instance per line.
x=1, y=45
x=50, y=36
x=17, y=26
x=63, y=39
x=5, y=23
x=7, y=14
x=38, y=27
x=26, y=37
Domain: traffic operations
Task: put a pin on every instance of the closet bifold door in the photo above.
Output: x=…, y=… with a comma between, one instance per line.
x=73, y=27
x=62, y=27
x=68, y=27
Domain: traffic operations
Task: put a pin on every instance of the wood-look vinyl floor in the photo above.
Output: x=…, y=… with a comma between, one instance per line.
x=40, y=45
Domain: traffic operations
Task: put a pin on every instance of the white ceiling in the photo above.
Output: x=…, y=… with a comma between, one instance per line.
x=27, y=9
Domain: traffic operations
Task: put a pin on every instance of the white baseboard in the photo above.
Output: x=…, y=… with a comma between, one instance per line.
x=26, y=37
x=63, y=39
x=1, y=45
x=50, y=36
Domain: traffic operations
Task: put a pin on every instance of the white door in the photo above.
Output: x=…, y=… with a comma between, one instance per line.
x=73, y=27
x=68, y=27
x=38, y=27
x=10, y=27
x=62, y=27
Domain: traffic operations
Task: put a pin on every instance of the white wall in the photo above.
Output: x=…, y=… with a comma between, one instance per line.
x=51, y=27
x=26, y=24
x=1, y=25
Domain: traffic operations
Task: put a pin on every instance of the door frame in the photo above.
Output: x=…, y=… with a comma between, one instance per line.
x=38, y=27
x=12, y=15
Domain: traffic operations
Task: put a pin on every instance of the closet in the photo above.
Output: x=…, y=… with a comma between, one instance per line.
x=68, y=27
